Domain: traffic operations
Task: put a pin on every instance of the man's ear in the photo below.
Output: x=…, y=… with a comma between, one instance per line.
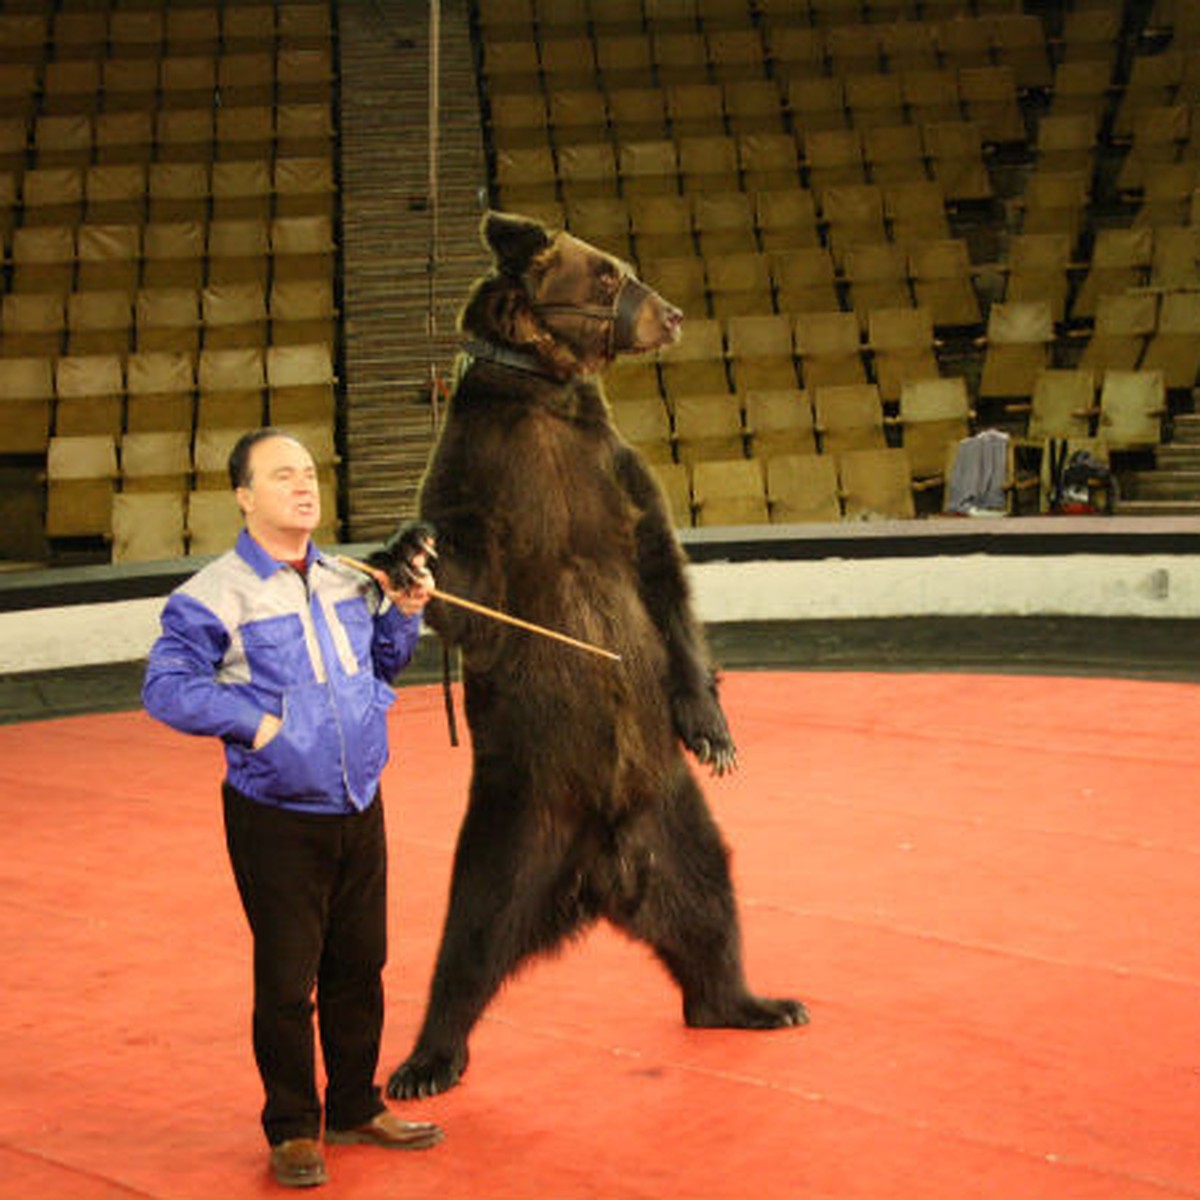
x=513, y=240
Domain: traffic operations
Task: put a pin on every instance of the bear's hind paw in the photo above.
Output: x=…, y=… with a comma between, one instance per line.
x=426, y=1074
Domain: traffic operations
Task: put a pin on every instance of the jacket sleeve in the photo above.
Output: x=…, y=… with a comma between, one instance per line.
x=394, y=642
x=181, y=687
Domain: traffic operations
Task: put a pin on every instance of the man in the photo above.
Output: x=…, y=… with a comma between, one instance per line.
x=286, y=656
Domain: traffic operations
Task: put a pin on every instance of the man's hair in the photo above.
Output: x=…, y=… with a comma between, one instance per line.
x=239, y=456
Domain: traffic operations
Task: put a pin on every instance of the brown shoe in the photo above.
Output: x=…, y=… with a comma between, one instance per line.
x=389, y=1131
x=298, y=1162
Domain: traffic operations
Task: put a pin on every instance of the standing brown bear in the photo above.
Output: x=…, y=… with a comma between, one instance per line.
x=581, y=803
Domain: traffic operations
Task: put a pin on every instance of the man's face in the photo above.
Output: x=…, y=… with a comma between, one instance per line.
x=283, y=496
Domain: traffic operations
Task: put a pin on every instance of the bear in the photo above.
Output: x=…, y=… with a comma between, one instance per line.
x=582, y=805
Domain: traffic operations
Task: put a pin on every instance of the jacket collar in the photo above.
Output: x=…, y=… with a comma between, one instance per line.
x=264, y=564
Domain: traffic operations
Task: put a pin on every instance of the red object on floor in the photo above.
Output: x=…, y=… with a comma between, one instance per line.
x=986, y=890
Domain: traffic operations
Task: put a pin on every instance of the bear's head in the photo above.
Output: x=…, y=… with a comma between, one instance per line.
x=569, y=304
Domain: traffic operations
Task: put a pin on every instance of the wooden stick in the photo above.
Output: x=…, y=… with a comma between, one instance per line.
x=496, y=615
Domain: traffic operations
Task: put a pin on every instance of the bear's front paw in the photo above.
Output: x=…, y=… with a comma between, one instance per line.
x=407, y=554
x=426, y=1073
x=701, y=726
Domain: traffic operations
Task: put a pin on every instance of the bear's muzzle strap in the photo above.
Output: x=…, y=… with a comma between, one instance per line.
x=621, y=314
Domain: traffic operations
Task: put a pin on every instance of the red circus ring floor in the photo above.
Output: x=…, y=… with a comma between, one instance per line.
x=986, y=889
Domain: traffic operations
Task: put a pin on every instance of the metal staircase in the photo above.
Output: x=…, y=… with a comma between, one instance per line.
x=387, y=222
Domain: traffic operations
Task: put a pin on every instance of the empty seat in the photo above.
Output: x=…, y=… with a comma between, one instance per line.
x=1123, y=323
x=934, y=415
x=81, y=477
x=300, y=383
x=1132, y=407
x=160, y=386
x=158, y=461
x=729, y=493
x=1019, y=337
x=943, y=281
x=26, y=397
x=902, y=347
x=646, y=425
x=147, y=526
x=760, y=352
x=848, y=417
x=90, y=392
x=1174, y=348
x=708, y=427
x=802, y=488
x=876, y=484
x=779, y=422
x=829, y=346
x=1061, y=406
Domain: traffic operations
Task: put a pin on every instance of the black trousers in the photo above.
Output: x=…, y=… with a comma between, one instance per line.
x=314, y=888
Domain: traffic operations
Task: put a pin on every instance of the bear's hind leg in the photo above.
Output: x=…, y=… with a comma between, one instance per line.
x=688, y=916
x=503, y=909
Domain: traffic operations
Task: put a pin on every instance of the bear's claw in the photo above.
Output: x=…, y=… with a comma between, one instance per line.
x=422, y=1075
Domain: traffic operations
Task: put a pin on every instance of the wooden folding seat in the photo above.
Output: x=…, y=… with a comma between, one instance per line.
x=179, y=191
x=1081, y=87
x=877, y=275
x=115, y=193
x=124, y=137
x=231, y=386
x=304, y=24
x=147, y=526
x=576, y=114
x=829, y=346
x=156, y=461
x=739, y=282
x=760, y=352
x=1020, y=335
x=1167, y=192
x=854, y=215
x=876, y=484
x=239, y=252
x=834, y=157
x=525, y=173
x=637, y=113
x=160, y=387
x=1159, y=135
x=854, y=47
x=81, y=473
x=1038, y=269
x=1091, y=33
x=708, y=427
x=816, y=104
x=586, y=170
x=930, y=95
x=695, y=365
x=646, y=425
x=246, y=77
x=954, y=150
x=805, y=279
x=300, y=384
x=213, y=521
x=1061, y=405
x=753, y=106
x=303, y=130
x=136, y=33
x=901, y=344
x=188, y=81
x=768, y=161
x=648, y=168
x=173, y=254
x=662, y=226
x=243, y=190
x=234, y=315
x=194, y=31
x=168, y=319
x=679, y=58
x=109, y=257
x=1153, y=82
x=100, y=322
x=129, y=85
x=803, y=488
x=184, y=135
x=874, y=99
x=568, y=61
x=1123, y=323
x=894, y=154
x=1066, y=142
x=729, y=492
x=779, y=421
x=934, y=414
x=26, y=400
x=1176, y=258
x=694, y=109
x=1120, y=261
x=302, y=248
x=786, y=219
x=1019, y=43
x=708, y=164
x=89, y=395
x=244, y=133
x=23, y=37
x=1174, y=348
x=304, y=75
x=302, y=311
x=915, y=211
x=795, y=50
x=52, y=196
x=908, y=45
x=80, y=34
x=18, y=93
x=43, y=258
x=1132, y=407
x=32, y=324
x=511, y=64
x=964, y=42
x=735, y=54
x=71, y=86
x=1056, y=202
x=724, y=223
x=849, y=416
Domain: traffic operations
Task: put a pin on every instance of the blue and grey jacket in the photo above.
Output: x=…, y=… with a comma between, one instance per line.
x=248, y=635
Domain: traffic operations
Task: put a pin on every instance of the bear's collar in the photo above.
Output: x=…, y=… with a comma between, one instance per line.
x=505, y=356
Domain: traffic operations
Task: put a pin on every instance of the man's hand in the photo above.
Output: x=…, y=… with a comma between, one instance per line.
x=268, y=727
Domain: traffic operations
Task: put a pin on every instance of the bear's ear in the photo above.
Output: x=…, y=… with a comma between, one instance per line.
x=513, y=240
